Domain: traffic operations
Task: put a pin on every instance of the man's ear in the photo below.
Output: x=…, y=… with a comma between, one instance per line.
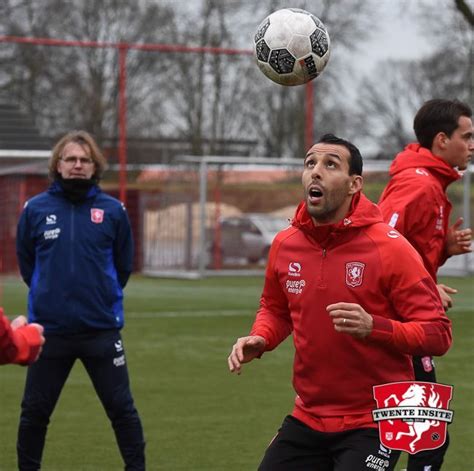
x=356, y=184
x=440, y=141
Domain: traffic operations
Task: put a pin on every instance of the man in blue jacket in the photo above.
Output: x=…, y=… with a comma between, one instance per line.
x=74, y=248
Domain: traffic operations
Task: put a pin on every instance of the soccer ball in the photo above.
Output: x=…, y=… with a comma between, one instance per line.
x=292, y=46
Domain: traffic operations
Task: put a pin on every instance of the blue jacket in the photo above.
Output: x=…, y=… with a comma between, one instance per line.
x=75, y=258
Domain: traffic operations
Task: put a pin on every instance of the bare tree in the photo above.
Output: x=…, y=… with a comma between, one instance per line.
x=465, y=10
x=386, y=107
x=66, y=87
x=206, y=99
x=204, y=96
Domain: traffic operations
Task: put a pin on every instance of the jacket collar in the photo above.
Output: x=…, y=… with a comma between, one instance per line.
x=362, y=213
x=415, y=156
x=56, y=189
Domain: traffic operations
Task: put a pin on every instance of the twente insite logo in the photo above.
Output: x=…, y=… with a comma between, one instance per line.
x=413, y=415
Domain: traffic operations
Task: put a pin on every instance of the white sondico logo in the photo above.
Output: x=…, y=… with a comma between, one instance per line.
x=51, y=219
x=294, y=269
x=393, y=234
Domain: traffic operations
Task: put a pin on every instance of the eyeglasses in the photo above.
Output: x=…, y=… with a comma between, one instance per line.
x=71, y=160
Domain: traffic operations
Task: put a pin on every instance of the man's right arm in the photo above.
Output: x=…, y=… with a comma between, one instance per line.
x=408, y=208
x=25, y=249
x=273, y=320
x=272, y=324
x=244, y=350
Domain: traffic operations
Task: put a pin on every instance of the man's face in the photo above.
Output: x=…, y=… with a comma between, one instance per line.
x=76, y=162
x=460, y=146
x=328, y=187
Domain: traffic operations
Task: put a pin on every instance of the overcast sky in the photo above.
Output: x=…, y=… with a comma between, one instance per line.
x=399, y=35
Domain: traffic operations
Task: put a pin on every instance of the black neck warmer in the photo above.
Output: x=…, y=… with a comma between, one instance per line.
x=75, y=189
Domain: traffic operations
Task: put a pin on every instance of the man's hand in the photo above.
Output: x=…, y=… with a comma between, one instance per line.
x=20, y=322
x=350, y=318
x=444, y=292
x=458, y=240
x=245, y=350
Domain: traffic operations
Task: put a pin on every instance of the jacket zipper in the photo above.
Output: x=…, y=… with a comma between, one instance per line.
x=73, y=267
x=322, y=277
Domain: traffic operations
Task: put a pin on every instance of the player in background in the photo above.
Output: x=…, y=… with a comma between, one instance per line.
x=20, y=342
x=416, y=204
x=359, y=303
x=75, y=251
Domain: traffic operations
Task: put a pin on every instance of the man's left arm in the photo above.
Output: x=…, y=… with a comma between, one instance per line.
x=123, y=248
x=417, y=324
x=426, y=329
x=420, y=326
x=458, y=241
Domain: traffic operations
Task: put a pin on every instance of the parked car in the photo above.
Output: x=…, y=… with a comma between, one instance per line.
x=246, y=237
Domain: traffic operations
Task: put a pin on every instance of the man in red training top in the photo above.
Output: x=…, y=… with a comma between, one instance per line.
x=19, y=342
x=415, y=203
x=359, y=303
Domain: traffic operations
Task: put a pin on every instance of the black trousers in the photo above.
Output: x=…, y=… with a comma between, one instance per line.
x=425, y=371
x=297, y=447
x=103, y=356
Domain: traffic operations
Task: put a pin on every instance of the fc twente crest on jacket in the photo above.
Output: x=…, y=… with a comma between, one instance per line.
x=354, y=273
x=97, y=215
x=412, y=416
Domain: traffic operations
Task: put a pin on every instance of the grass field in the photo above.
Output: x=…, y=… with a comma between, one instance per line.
x=196, y=415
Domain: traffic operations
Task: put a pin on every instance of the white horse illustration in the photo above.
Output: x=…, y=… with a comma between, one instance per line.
x=415, y=396
x=355, y=272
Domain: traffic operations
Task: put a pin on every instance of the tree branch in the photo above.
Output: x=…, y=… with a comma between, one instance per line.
x=465, y=10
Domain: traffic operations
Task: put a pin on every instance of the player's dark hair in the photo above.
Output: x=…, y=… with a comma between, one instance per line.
x=436, y=116
x=355, y=163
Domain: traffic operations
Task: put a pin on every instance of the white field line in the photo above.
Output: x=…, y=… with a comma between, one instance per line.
x=223, y=313
x=162, y=314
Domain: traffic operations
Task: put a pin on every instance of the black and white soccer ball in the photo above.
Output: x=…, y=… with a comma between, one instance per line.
x=292, y=46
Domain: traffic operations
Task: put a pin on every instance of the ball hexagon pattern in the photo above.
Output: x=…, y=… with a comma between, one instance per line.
x=292, y=46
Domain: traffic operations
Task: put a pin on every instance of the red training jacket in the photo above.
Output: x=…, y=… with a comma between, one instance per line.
x=415, y=202
x=358, y=260
x=20, y=345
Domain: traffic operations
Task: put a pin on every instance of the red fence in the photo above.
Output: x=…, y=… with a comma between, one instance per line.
x=14, y=191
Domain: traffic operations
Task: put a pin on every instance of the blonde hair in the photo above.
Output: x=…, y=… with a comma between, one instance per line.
x=84, y=139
